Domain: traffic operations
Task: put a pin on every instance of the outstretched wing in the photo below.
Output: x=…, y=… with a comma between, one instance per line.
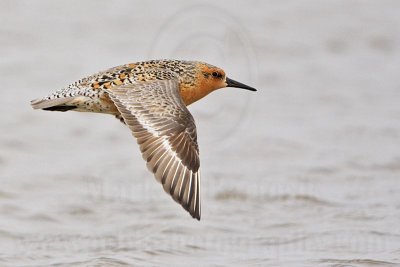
x=166, y=133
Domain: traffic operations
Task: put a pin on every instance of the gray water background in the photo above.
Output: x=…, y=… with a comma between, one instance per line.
x=304, y=172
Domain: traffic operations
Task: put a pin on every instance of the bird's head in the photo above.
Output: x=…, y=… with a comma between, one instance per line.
x=208, y=78
x=213, y=78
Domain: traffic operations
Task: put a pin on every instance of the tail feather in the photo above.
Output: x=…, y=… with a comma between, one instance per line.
x=60, y=108
x=51, y=104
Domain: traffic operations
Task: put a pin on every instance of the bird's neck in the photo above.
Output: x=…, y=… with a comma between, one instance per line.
x=191, y=93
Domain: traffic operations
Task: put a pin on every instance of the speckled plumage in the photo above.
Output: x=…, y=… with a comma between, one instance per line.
x=91, y=87
x=151, y=98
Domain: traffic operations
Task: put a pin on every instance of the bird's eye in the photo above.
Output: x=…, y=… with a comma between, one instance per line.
x=216, y=74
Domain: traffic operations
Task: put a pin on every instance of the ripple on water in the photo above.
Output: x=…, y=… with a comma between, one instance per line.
x=11, y=210
x=284, y=225
x=359, y=215
x=7, y=234
x=359, y=262
x=233, y=194
x=4, y=194
x=41, y=217
x=79, y=210
x=300, y=198
x=97, y=262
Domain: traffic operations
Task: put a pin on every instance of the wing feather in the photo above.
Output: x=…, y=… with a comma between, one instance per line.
x=166, y=133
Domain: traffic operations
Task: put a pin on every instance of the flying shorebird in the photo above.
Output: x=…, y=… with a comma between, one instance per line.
x=150, y=98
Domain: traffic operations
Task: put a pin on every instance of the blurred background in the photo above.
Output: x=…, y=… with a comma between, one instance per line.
x=304, y=172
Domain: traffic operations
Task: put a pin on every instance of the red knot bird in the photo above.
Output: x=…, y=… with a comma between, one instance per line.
x=151, y=98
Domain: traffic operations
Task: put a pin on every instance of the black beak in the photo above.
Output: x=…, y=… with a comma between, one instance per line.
x=233, y=83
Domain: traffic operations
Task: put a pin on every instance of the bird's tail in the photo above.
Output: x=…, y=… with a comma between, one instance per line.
x=56, y=104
